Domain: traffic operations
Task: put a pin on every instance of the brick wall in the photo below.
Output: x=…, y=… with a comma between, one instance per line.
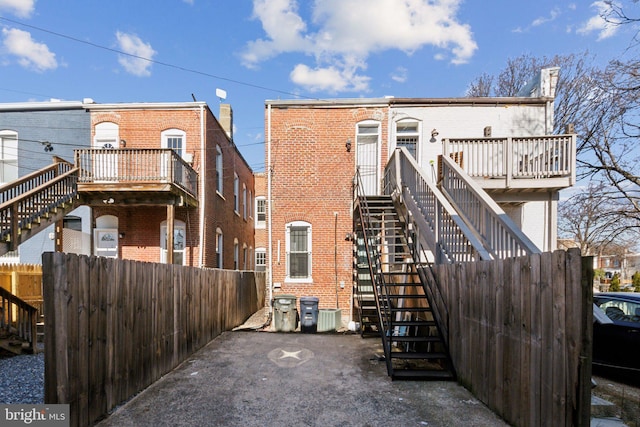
x=312, y=182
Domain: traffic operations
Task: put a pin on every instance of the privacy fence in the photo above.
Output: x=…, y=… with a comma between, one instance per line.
x=114, y=326
x=522, y=335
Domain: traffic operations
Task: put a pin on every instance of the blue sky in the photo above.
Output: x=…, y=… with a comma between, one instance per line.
x=279, y=49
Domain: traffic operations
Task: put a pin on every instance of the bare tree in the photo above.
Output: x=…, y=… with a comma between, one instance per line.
x=481, y=86
x=603, y=105
x=591, y=218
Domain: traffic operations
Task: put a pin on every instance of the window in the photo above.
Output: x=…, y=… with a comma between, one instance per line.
x=174, y=139
x=179, y=237
x=244, y=201
x=244, y=256
x=8, y=156
x=219, y=174
x=407, y=135
x=261, y=212
x=219, y=248
x=298, y=247
x=250, y=202
x=236, y=193
x=261, y=259
x=236, y=254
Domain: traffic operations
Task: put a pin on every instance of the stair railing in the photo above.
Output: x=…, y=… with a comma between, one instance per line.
x=443, y=230
x=496, y=230
x=380, y=290
x=19, y=317
x=30, y=204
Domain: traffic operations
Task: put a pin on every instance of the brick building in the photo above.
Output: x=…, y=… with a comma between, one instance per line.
x=213, y=224
x=315, y=147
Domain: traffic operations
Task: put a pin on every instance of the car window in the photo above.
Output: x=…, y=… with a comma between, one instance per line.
x=625, y=311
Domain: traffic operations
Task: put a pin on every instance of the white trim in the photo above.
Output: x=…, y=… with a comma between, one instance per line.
x=309, y=251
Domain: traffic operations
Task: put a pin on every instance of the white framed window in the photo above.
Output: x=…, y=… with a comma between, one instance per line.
x=179, y=242
x=261, y=212
x=8, y=156
x=175, y=139
x=261, y=259
x=250, y=202
x=236, y=254
x=298, y=251
x=244, y=201
x=408, y=135
x=236, y=193
x=219, y=170
x=245, y=256
x=219, y=247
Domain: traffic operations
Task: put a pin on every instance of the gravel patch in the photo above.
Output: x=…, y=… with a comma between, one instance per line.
x=22, y=379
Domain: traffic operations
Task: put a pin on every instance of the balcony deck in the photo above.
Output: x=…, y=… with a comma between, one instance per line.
x=135, y=177
x=529, y=164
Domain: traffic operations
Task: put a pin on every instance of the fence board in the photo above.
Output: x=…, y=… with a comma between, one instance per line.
x=116, y=326
x=518, y=331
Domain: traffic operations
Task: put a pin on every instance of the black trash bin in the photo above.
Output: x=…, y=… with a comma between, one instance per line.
x=309, y=314
x=285, y=315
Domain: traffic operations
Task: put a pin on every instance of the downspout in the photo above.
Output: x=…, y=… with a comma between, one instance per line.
x=203, y=194
x=269, y=224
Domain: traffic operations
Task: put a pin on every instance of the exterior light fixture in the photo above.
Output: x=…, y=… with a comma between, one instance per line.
x=47, y=146
x=434, y=133
x=348, y=145
x=123, y=143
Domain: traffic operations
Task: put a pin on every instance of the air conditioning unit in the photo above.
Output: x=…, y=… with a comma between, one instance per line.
x=329, y=319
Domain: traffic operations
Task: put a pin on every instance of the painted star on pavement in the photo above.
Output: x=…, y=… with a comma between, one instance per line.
x=292, y=354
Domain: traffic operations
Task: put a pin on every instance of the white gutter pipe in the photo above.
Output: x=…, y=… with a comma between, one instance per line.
x=269, y=223
x=203, y=192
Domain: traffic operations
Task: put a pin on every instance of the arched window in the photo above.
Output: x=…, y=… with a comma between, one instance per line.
x=106, y=135
x=175, y=139
x=408, y=135
x=219, y=247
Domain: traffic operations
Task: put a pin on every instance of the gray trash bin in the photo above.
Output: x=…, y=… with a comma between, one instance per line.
x=285, y=315
x=309, y=314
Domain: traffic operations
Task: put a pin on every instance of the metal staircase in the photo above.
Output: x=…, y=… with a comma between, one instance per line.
x=391, y=299
x=398, y=236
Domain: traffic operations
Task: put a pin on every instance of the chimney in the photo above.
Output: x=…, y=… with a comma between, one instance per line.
x=226, y=119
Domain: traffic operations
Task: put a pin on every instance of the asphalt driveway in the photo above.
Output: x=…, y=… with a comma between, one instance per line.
x=285, y=379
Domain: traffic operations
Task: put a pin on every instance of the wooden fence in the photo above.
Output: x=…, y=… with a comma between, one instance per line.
x=23, y=281
x=520, y=335
x=115, y=326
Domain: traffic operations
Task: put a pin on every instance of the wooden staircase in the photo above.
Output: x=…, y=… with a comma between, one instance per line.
x=390, y=295
x=17, y=324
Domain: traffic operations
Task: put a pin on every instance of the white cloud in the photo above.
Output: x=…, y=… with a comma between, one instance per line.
x=21, y=8
x=341, y=34
x=31, y=54
x=597, y=23
x=139, y=63
x=399, y=75
x=555, y=12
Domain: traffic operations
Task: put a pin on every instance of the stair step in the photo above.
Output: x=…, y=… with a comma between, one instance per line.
x=399, y=338
x=403, y=374
x=414, y=355
x=413, y=323
x=411, y=309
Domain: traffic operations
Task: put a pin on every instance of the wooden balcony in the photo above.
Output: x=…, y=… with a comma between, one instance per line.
x=536, y=163
x=135, y=177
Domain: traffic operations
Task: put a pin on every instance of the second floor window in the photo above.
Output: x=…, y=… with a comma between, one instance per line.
x=219, y=172
x=8, y=156
x=174, y=139
x=261, y=259
x=261, y=212
x=236, y=193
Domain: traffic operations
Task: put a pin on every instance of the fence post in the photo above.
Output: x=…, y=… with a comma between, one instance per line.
x=583, y=408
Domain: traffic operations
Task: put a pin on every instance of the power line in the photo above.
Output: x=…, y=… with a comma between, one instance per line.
x=153, y=61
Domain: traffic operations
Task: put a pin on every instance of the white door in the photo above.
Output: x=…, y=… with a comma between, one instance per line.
x=367, y=141
x=105, y=166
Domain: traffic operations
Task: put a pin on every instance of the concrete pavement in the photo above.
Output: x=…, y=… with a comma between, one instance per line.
x=262, y=378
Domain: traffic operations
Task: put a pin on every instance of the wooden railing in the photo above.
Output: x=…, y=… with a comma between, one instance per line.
x=136, y=166
x=25, y=211
x=497, y=231
x=19, y=317
x=513, y=158
x=35, y=179
x=437, y=222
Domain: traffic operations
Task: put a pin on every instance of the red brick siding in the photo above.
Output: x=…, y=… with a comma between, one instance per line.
x=312, y=180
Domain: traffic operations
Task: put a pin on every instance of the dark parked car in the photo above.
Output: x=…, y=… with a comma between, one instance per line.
x=616, y=332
